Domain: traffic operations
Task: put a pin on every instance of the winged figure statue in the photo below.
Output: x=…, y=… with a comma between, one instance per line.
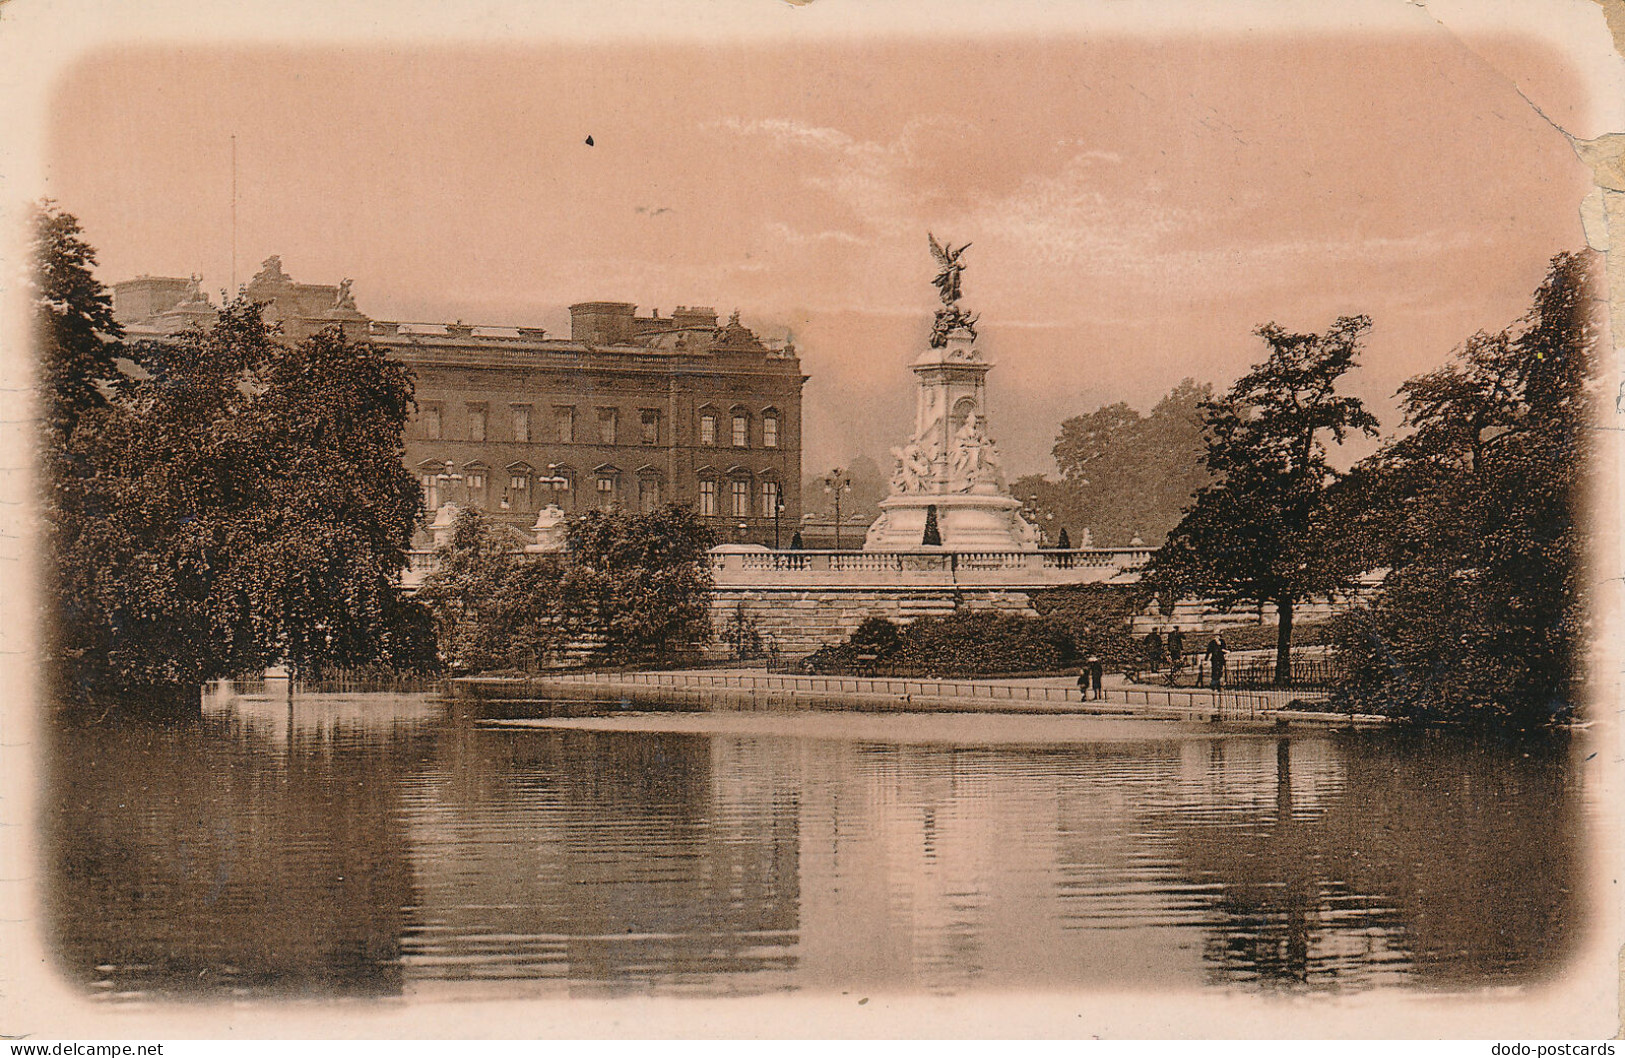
x=948, y=268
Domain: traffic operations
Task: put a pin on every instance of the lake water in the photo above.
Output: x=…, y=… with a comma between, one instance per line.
x=394, y=845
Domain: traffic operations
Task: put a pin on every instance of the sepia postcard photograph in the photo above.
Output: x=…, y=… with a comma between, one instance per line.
x=808, y=519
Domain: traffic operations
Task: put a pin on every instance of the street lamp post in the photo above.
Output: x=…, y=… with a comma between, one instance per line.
x=1035, y=514
x=837, y=482
x=555, y=482
x=778, y=509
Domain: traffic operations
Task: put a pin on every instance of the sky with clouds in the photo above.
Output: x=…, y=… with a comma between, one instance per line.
x=1137, y=205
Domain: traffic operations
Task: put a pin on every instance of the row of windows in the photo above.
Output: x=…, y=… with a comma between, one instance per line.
x=739, y=498
x=473, y=486
x=608, y=431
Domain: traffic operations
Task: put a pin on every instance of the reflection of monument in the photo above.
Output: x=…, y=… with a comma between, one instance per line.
x=950, y=465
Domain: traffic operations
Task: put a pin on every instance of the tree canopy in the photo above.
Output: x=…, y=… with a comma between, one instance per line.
x=1477, y=513
x=1123, y=474
x=628, y=588
x=216, y=501
x=1260, y=532
x=77, y=338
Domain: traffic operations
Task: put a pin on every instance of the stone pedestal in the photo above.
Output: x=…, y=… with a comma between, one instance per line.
x=950, y=465
x=964, y=523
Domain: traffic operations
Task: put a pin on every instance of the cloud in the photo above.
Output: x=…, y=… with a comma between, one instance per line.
x=883, y=184
x=799, y=238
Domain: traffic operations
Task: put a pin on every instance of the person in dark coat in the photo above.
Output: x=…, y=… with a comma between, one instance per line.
x=1097, y=677
x=1083, y=679
x=1153, y=650
x=1215, y=661
x=1176, y=648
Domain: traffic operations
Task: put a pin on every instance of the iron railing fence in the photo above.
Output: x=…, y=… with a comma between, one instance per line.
x=1310, y=672
x=1230, y=704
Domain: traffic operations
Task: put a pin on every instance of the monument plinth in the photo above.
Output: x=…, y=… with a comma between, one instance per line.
x=947, y=490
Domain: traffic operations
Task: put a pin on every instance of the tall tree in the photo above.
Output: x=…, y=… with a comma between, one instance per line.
x=215, y=501
x=1124, y=474
x=144, y=537
x=77, y=342
x=1260, y=532
x=326, y=529
x=77, y=336
x=1477, y=514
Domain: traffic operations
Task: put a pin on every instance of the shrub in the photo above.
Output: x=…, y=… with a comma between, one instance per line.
x=1097, y=617
x=1263, y=637
x=969, y=642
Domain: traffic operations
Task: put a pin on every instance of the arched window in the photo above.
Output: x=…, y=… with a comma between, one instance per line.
x=707, y=496
x=708, y=427
x=739, y=489
x=772, y=497
x=770, y=428
x=741, y=428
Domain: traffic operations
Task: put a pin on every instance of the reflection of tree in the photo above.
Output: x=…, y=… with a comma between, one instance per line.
x=203, y=859
x=1458, y=862
x=632, y=859
x=1269, y=913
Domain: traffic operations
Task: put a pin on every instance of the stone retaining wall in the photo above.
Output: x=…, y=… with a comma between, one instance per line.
x=798, y=621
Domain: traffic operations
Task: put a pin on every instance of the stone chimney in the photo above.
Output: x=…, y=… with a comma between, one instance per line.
x=602, y=322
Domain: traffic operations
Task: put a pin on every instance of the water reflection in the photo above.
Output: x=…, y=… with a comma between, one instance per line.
x=372, y=846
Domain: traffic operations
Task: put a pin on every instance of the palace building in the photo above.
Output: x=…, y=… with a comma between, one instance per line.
x=628, y=412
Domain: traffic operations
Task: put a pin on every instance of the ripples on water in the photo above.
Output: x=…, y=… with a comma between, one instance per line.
x=389, y=845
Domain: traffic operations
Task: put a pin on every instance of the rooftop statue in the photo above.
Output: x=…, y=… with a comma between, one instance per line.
x=194, y=291
x=271, y=270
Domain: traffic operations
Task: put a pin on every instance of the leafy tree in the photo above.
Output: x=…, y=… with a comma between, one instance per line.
x=143, y=535
x=1123, y=473
x=1261, y=532
x=77, y=337
x=1477, y=514
x=77, y=341
x=328, y=527
x=216, y=501
x=640, y=581
x=493, y=607
x=636, y=586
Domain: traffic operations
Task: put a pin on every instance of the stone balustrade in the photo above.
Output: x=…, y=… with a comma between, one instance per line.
x=739, y=566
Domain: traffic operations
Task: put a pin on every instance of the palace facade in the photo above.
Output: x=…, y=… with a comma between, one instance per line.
x=628, y=412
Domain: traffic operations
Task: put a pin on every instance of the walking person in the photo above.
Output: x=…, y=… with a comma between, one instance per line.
x=1097, y=677
x=1176, y=648
x=1153, y=650
x=1083, y=679
x=1215, y=660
